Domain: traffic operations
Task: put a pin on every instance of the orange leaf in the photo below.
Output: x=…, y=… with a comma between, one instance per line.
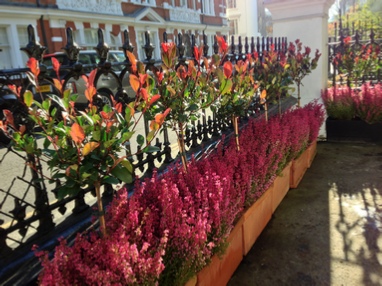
x=132, y=60
x=85, y=78
x=134, y=82
x=9, y=118
x=57, y=84
x=92, y=76
x=106, y=115
x=34, y=66
x=154, y=125
x=143, y=78
x=22, y=129
x=118, y=107
x=263, y=96
x=227, y=69
x=56, y=65
x=159, y=118
x=89, y=147
x=154, y=99
x=77, y=133
x=144, y=94
x=90, y=92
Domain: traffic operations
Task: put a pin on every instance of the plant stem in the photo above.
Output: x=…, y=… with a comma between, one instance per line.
x=101, y=214
x=236, y=131
x=266, y=111
x=298, y=95
x=182, y=149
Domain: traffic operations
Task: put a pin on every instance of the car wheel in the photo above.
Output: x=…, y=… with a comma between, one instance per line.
x=103, y=99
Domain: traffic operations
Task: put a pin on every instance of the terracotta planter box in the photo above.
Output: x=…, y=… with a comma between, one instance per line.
x=280, y=187
x=256, y=218
x=220, y=270
x=312, y=152
x=298, y=169
x=353, y=131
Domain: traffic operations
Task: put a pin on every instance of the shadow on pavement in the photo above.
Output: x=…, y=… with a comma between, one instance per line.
x=328, y=231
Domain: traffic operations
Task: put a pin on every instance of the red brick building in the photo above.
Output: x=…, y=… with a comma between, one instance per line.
x=52, y=17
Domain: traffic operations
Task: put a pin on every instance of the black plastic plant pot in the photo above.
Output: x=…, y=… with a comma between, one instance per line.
x=353, y=131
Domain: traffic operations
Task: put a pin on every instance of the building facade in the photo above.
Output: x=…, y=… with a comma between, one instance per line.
x=51, y=18
x=246, y=18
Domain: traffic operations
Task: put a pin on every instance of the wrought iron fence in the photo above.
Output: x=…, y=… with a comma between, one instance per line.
x=30, y=212
x=356, y=41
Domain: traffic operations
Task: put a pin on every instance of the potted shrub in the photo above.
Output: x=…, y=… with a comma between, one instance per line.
x=354, y=114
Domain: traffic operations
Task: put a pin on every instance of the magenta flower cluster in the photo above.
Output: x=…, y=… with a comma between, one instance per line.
x=174, y=223
x=347, y=103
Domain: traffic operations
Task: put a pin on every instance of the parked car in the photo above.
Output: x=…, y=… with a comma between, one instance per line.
x=106, y=85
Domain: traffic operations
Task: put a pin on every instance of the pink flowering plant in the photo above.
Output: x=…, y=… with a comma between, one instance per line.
x=339, y=103
x=347, y=103
x=174, y=223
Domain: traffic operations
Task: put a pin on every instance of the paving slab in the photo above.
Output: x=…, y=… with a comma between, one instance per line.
x=328, y=231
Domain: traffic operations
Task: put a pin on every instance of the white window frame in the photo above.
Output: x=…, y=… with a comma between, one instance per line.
x=209, y=7
x=155, y=42
x=5, y=54
x=183, y=3
x=81, y=39
x=15, y=57
x=145, y=2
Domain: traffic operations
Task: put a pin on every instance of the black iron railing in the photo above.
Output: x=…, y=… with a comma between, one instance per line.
x=348, y=39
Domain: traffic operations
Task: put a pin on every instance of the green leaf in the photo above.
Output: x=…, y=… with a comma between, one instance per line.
x=150, y=136
x=151, y=149
x=127, y=164
x=122, y=173
x=46, y=104
x=110, y=180
x=28, y=98
x=140, y=140
x=97, y=135
x=226, y=86
x=193, y=107
x=126, y=136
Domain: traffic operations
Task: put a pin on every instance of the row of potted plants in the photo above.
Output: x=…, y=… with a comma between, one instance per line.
x=176, y=223
x=148, y=240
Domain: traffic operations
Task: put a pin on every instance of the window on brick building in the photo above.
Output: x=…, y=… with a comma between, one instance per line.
x=142, y=42
x=231, y=4
x=233, y=27
x=115, y=42
x=22, y=33
x=5, y=56
x=183, y=3
x=209, y=7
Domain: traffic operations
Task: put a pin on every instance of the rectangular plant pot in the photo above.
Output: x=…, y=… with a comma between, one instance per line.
x=353, y=131
x=281, y=187
x=312, y=152
x=220, y=270
x=256, y=218
x=298, y=169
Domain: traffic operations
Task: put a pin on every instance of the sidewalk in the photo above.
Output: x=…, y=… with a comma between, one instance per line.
x=328, y=231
